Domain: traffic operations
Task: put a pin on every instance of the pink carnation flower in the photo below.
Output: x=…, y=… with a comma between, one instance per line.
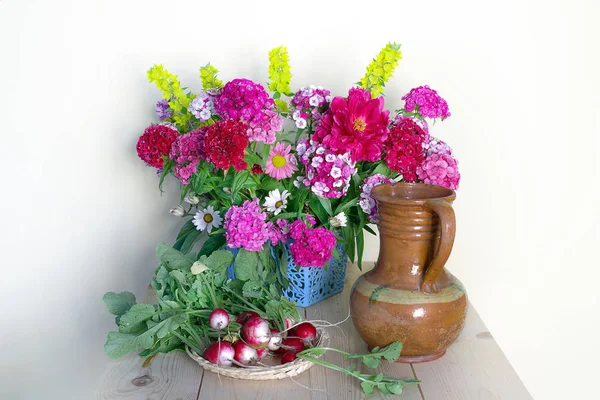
x=281, y=164
x=265, y=130
x=312, y=247
x=242, y=99
x=358, y=125
x=440, y=169
x=278, y=231
x=187, y=151
x=245, y=226
x=426, y=102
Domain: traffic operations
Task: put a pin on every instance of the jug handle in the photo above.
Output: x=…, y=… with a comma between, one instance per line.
x=448, y=225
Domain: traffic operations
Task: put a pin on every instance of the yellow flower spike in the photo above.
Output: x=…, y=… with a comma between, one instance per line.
x=171, y=90
x=208, y=76
x=381, y=69
x=280, y=73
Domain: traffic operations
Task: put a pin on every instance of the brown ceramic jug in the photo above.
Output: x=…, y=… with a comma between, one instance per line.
x=409, y=296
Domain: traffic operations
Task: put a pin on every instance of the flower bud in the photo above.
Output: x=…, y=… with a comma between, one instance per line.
x=338, y=220
x=192, y=199
x=177, y=211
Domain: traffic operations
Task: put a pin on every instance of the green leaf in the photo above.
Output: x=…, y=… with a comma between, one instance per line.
x=392, y=388
x=179, y=277
x=266, y=259
x=344, y=206
x=120, y=344
x=316, y=206
x=187, y=228
x=371, y=362
x=173, y=258
x=252, y=158
x=370, y=230
x=167, y=168
x=360, y=246
x=246, y=264
x=132, y=320
x=118, y=304
x=268, y=184
x=392, y=352
x=212, y=244
x=383, y=169
x=367, y=387
x=219, y=260
x=326, y=203
x=238, y=181
x=189, y=241
x=252, y=289
x=348, y=235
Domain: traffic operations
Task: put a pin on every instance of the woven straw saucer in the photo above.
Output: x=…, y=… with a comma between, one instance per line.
x=260, y=373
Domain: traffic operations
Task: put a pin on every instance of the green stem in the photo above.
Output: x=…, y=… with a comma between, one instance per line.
x=335, y=367
x=243, y=300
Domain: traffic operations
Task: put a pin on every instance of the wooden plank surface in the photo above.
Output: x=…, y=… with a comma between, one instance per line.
x=474, y=368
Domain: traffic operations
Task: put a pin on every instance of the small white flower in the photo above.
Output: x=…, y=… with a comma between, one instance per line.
x=330, y=157
x=276, y=202
x=192, y=199
x=316, y=161
x=206, y=219
x=338, y=220
x=313, y=87
x=338, y=183
x=301, y=123
x=177, y=211
x=319, y=87
x=205, y=114
x=310, y=174
x=299, y=181
x=328, y=99
x=336, y=172
x=296, y=115
x=314, y=101
x=301, y=149
x=365, y=205
x=320, y=150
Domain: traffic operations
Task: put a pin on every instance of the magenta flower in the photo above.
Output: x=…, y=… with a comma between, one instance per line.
x=242, y=99
x=440, y=169
x=187, y=151
x=281, y=164
x=245, y=226
x=358, y=125
x=312, y=247
x=426, y=102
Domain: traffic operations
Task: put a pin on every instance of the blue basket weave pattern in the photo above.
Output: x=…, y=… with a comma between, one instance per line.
x=310, y=285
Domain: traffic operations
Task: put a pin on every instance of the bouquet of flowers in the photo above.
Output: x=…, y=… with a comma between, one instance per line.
x=267, y=166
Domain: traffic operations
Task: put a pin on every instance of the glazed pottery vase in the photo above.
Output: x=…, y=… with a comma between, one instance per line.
x=409, y=296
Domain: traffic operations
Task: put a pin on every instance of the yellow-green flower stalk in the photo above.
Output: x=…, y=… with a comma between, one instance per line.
x=381, y=69
x=171, y=90
x=208, y=75
x=279, y=70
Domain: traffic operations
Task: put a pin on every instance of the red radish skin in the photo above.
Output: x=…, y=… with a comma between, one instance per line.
x=244, y=354
x=289, y=322
x=275, y=340
x=294, y=345
x=245, y=316
x=256, y=332
x=220, y=353
x=288, y=357
x=306, y=331
x=218, y=319
x=261, y=353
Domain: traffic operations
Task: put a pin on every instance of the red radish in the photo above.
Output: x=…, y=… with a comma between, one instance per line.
x=306, y=331
x=218, y=319
x=220, y=353
x=289, y=322
x=294, y=345
x=245, y=316
x=288, y=357
x=275, y=340
x=244, y=354
x=262, y=352
x=256, y=333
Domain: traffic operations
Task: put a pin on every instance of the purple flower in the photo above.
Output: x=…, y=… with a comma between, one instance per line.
x=368, y=203
x=187, y=151
x=163, y=110
x=246, y=226
x=242, y=99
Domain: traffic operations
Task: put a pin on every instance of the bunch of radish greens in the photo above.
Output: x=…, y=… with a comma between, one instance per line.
x=231, y=322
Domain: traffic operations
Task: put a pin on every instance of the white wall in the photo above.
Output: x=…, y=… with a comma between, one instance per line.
x=81, y=215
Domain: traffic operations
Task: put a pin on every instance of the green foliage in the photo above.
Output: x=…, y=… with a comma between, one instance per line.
x=119, y=304
x=208, y=76
x=279, y=71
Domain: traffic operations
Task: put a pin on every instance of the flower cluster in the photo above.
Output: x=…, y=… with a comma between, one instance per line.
x=309, y=102
x=427, y=102
x=265, y=130
x=242, y=99
x=381, y=69
x=208, y=76
x=279, y=70
x=328, y=174
x=404, y=148
x=155, y=143
x=225, y=143
x=440, y=169
x=163, y=110
x=367, y=202
x=358, y=125
x=312, y=247
x=187, y=151
x=246, y=226
x=202, y=107
x=279, y=232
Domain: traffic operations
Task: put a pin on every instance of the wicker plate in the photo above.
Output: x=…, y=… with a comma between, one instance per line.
x=259, y=373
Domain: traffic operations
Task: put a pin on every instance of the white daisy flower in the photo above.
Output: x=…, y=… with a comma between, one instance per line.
x=275, y=202
x=206, y=219
x=338, y=220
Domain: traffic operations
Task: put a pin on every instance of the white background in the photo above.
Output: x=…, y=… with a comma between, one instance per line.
x=81, y=215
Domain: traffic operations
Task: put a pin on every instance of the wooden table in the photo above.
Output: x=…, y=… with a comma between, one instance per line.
x=473, y=368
